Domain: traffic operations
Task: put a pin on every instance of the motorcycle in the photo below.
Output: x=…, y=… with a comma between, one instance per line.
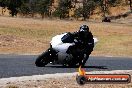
x=57, y=52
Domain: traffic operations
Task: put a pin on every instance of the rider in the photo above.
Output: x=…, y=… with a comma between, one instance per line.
x=83, y=39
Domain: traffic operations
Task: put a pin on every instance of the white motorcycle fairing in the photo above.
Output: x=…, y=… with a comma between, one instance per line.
x=61, y=47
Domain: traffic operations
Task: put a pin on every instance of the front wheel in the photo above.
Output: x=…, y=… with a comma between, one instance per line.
x=42, y=60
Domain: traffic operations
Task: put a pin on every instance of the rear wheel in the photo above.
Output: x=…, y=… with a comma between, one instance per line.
x=69, y=64
x=43, y=59
x=72, y=64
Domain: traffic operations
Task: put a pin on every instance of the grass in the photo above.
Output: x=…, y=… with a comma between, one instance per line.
x=33, y=36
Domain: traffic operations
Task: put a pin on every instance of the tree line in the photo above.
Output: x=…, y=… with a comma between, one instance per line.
x=47, y=8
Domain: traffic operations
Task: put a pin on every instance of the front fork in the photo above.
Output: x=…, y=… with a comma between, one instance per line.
x=53, y=54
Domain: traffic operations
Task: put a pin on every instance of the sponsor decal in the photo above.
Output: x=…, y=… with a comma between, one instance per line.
x=83, y=78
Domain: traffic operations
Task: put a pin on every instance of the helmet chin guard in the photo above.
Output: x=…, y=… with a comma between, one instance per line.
x=84, y=28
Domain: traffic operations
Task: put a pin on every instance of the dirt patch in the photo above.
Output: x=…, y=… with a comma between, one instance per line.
x=13, y=44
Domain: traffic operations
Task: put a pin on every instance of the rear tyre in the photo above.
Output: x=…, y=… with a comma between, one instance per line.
x=72, y=64
x=42, y=60
x=69, y=64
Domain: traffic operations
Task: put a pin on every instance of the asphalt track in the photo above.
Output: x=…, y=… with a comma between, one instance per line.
x=23, y=65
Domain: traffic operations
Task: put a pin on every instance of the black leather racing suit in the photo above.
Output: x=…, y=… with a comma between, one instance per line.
x=85, y=43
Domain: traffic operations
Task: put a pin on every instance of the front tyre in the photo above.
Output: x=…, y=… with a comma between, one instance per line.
x=42, y=60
